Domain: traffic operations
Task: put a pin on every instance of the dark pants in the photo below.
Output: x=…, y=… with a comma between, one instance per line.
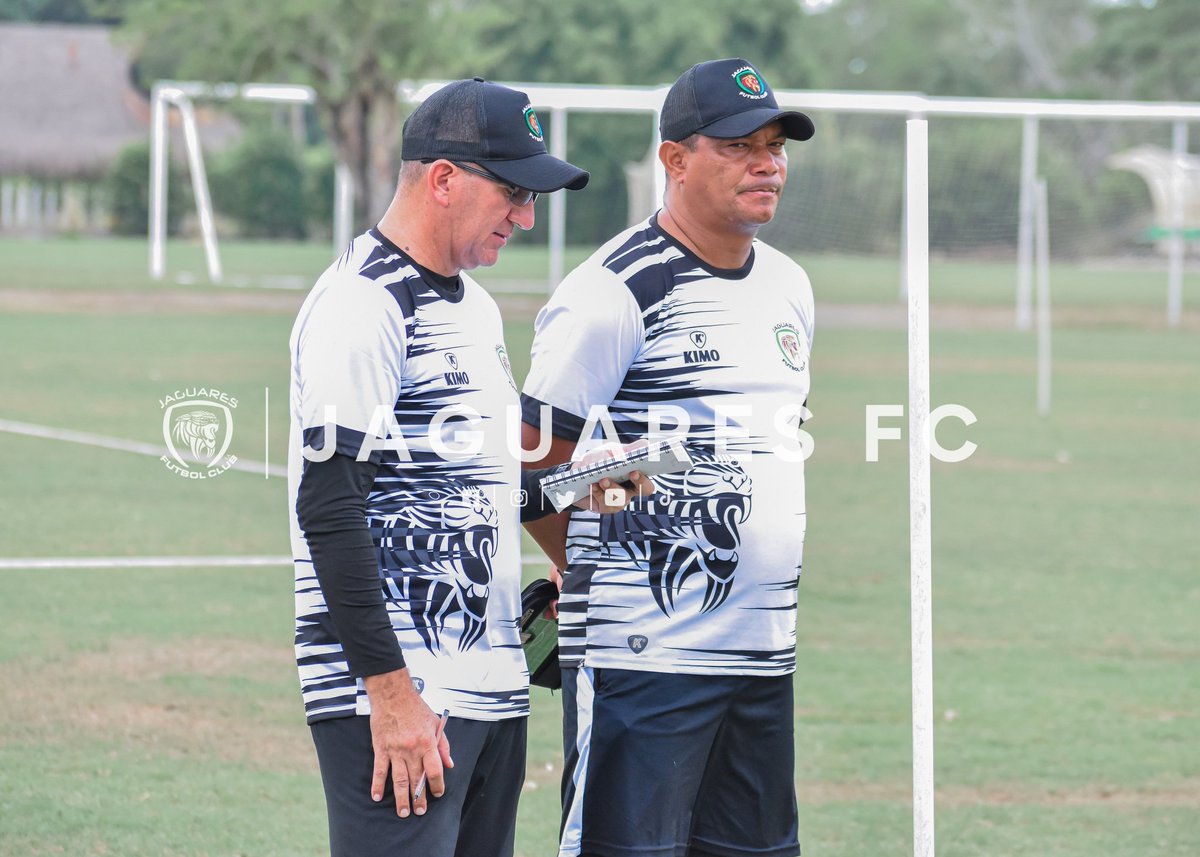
x=663, y=765
x=476, y=817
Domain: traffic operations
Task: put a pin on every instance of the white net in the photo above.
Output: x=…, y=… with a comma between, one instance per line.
x=845, y=189
x=1108, y=230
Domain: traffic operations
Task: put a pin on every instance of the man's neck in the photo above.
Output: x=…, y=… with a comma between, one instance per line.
x=720, y=249
x=409, y=232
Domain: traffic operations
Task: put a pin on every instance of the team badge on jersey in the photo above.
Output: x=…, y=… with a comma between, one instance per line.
x=533, y=123
x=788, y=341
x=750, y=83
x=502, y=356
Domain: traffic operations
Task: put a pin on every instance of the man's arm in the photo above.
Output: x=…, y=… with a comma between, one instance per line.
x=549, y=532
x=331, y=510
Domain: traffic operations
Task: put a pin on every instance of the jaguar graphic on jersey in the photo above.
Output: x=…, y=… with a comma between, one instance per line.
x=436, y=554
x=694, y=531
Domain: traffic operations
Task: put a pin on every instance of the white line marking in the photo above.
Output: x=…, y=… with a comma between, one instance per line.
x=142, y=561
x=101, y=562
x=51, y=433
x=266, y=431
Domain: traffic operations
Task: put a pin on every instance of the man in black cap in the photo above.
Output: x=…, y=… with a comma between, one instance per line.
x=677, y=616
x=405, y=494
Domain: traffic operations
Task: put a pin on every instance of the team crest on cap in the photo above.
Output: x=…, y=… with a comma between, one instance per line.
x=749, y=82
x=533, y=123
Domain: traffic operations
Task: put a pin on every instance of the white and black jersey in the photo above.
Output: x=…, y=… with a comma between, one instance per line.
x=702, y=577
x=381, y=350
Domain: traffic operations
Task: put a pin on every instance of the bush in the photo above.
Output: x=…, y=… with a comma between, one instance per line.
x=127, y=186
x=319, y=163
x=260, y=185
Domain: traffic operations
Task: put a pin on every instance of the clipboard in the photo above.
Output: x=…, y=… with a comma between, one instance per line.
x=659, y=457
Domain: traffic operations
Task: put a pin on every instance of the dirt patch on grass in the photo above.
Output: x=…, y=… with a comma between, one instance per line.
x=207, y=300
x=172, y=300
x=169, y=301
x=185, y=698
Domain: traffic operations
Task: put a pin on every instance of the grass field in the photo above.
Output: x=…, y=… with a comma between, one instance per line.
x=156, y=711
x=122, y=264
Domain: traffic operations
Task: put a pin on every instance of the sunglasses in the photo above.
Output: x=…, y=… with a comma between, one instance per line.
x=518, y=196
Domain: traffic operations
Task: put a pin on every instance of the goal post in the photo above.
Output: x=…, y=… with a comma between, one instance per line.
x=182, y=95
x=1014, y=231
x=920, y=500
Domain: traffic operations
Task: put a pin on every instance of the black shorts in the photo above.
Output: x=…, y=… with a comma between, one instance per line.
x=476, y=817
x=665, y=765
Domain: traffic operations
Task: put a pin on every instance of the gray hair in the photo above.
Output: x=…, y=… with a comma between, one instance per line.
x=411, y=172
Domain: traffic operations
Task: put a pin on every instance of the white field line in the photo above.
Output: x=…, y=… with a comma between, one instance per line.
x=142, y=562
x=50, y=433
x=106, y=562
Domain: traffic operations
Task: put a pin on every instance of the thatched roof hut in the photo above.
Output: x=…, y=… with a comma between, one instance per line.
x=68, y=103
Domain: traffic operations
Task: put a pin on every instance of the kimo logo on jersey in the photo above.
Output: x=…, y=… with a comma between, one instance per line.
x=788, y=340
x=455, y=377
x=502, y=356
x=637, y=644
x=702, y=353
x=750, y=84
x=533, y=123
x=197, y=428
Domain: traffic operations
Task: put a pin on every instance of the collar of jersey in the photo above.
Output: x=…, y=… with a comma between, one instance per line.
x=724, y=273
x=450, y=289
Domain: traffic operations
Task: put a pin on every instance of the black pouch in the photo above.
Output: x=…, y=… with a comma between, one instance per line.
x=539, y=635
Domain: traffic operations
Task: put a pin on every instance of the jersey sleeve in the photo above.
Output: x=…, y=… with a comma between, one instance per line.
x=331, y=510
x=584, y=341
x=349, y=360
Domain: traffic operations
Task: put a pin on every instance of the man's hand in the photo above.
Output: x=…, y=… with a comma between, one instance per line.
x=404, y=735
x=555, y=577
x=607, y=496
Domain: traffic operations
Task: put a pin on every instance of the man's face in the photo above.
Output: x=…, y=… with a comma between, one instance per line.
x=484, y=219
x=736, y=183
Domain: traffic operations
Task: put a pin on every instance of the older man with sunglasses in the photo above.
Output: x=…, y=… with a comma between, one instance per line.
x=406, y=497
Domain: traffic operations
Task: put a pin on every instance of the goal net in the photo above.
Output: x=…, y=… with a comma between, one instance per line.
x=1109, y=229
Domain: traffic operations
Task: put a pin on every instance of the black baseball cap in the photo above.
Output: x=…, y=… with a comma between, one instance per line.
x=490, y=125
x=725, y=98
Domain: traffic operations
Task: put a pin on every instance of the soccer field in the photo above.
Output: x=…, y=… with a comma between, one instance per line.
x=156, y=711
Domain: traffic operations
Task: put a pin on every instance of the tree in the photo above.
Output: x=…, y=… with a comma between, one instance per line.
x=353, y=54
x=1147, y=50
x=633, y=42
x=625, y=42
x=56, y=11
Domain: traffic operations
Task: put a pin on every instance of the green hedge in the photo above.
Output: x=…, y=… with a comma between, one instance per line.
x=127, y=186
x=260, y=185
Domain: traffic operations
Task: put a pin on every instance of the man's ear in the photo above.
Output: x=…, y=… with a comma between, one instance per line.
x=438, y=180
x=674, y=159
